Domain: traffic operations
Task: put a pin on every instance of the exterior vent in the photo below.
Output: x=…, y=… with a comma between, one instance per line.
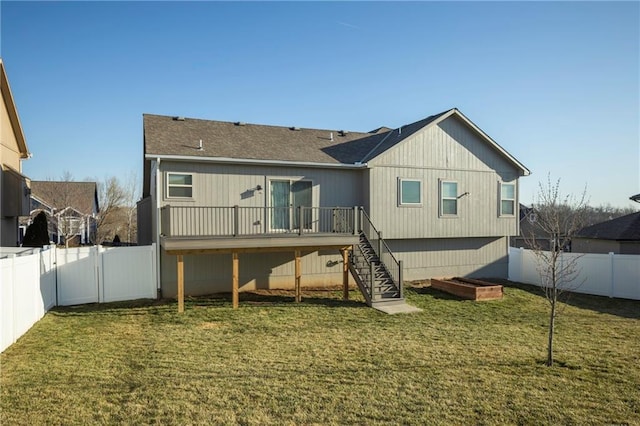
x=240, y=123
x=178, y=118
x=343, y=132
x=297, y=129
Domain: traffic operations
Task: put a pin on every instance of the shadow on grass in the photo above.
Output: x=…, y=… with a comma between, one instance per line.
x=607, y=305
x=221, y=300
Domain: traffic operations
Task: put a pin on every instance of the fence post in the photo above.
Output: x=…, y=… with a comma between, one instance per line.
x=612, y=289
x=521, y=270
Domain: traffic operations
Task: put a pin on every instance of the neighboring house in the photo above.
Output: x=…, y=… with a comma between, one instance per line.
x=71, y=209
x=286, y=201
x=14, y=186
x=620, y=236
x=530, y=231
x=635, y=198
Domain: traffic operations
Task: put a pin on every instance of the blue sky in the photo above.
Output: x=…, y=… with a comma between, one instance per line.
x=555, y=83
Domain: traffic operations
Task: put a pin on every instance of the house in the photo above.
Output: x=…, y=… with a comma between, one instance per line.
x=300, y=206
x=71, y=208
x=620, y=236
x=14, y=200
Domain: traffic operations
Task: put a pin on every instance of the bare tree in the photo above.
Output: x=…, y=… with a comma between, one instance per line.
x=111, y=197
x=559, y=218
x=131, y=196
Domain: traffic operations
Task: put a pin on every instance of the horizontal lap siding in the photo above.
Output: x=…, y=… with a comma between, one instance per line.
x=448, y=257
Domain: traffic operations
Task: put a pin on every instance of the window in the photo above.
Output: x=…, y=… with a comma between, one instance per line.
x=449, y=198
x=507, y=199
x=410, y=192
x=179, y=185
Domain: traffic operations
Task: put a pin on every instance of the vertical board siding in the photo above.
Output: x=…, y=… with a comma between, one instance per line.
x=211, y=273
x=449, y=151
x=448, y=257
x=219, y=185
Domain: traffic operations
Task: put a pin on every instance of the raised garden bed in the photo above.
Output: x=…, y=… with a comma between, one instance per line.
x=468, y=288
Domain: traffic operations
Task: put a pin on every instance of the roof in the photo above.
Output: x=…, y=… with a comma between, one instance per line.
x=635, y=198
x=625, y=228
x=80, y=196
x=13, y=112
x=180, y=137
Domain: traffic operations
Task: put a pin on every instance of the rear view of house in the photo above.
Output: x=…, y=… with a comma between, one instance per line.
x=437, y=197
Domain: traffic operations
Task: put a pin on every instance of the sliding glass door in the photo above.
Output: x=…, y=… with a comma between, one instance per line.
x=285, y=197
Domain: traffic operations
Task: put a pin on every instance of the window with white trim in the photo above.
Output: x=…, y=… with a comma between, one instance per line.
x=448, y=198
x=179, y=185
x=507, y=199
x=409, y=192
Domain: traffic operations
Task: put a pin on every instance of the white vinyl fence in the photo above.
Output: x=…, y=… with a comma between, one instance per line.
x=35, y=280
x=613, y=275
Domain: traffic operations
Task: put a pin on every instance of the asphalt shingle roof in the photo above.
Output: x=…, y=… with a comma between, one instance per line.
x=166, y=135
x=60, y=195
x=621, y=228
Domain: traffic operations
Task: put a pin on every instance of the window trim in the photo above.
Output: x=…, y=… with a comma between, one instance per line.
x=513, y=200
x=402, y=204
x=442, y=198
x=170, y=185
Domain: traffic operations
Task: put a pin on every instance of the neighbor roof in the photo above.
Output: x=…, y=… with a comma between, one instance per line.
x=180, y=137
x=60, y=195
x=13, y=112
x=622, y=228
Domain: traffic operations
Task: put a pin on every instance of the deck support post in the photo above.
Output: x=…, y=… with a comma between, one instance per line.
x=235, y=278
x=298, y=276
x=180, y=283
x=345, y=274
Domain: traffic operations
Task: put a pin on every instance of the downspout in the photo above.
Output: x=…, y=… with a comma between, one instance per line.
x=158, y=253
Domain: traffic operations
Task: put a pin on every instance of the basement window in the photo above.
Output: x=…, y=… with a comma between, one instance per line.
x=179, y=185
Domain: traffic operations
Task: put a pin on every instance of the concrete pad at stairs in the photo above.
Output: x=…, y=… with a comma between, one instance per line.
x=399, y=308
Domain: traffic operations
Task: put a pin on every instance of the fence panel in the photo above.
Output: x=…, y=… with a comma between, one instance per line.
x=614, y=275
x=626, y=274
x=77, y=276
x=128, y=273
x=7, y=280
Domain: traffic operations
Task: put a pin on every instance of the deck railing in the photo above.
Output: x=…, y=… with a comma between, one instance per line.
x=236, y=221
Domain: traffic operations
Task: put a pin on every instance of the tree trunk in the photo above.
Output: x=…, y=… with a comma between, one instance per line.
x=552, y=321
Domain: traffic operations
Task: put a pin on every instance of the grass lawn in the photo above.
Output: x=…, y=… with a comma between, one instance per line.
x=325, y=361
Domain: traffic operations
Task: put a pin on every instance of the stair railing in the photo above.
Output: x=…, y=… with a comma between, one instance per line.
x=388, y=260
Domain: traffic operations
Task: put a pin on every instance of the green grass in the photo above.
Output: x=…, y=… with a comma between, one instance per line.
x=325, y=361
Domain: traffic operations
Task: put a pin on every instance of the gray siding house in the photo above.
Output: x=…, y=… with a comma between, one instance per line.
x=434, y=198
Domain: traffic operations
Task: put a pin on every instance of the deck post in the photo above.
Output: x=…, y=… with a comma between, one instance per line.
x=235, y=275
x=300, y=215
x=345, y=274
x=180, y=283
x=298, y=275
